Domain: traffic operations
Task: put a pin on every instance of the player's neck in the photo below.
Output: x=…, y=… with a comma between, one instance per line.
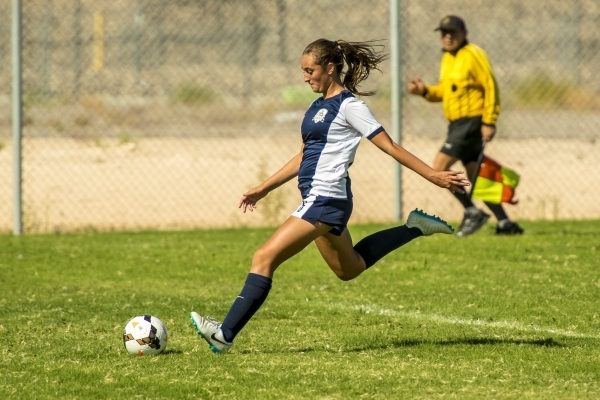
x=333, y=90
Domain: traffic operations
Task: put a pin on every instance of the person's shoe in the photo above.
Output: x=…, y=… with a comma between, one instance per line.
x=510, y=228
x=210, y=330
x=471, y=223
x=428, y=224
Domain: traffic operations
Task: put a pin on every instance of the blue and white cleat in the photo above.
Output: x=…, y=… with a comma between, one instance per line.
x=428, y=224
x=210, y=330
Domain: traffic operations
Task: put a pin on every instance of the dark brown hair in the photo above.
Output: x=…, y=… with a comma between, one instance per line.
x=360, y=57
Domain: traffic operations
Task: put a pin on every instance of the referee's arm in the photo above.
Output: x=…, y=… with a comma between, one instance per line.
x=435, y=93
x=482, y=71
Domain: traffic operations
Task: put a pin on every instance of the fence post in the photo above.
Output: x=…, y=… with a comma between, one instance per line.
x=17, y=114
x=396, y=103
x=76, y=41
x=282, y=30
x=576, y=22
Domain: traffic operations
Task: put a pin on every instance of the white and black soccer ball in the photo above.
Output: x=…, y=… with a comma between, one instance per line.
x=145, y=334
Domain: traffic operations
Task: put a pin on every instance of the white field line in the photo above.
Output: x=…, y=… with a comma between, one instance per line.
x=372, y=309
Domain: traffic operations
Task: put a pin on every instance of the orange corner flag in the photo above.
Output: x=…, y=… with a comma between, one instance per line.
x=495, y=183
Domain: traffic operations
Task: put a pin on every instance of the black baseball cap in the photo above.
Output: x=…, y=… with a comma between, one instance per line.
x=451, y=23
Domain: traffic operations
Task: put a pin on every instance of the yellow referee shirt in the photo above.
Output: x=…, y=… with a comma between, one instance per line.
x=467, y=86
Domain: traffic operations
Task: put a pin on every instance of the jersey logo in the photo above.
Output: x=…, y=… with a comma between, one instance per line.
x=320, y=116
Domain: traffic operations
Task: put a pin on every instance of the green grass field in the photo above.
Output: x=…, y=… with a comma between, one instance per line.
x=481, y=317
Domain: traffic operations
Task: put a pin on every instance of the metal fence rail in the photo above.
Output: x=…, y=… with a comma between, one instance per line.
x=160, y=114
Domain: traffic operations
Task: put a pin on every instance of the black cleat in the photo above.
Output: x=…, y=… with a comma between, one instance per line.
x=511, y=228
x=472, y=222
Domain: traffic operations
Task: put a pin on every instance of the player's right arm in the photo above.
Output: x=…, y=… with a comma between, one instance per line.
x=285, y=174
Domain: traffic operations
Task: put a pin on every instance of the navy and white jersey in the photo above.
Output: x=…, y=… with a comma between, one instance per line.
x=331, y=131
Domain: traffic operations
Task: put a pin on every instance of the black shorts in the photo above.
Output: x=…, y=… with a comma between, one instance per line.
x=464, y=139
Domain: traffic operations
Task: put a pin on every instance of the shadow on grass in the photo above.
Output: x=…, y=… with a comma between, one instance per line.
x=548, y=342
x=567, y=233
x=171, y=351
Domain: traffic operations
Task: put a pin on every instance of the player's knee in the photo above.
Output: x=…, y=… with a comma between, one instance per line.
x=260, y=256
x=346, y=275
x=263, y=258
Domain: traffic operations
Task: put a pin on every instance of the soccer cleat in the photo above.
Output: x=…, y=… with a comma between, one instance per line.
x=210, y=330
x=472, y=222
x=428, y=224
x=511, y=228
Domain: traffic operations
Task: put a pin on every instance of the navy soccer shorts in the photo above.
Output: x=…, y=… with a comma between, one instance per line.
x=329, y=210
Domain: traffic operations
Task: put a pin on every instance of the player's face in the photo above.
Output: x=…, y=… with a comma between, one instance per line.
x=451, y=40
x=315, y=75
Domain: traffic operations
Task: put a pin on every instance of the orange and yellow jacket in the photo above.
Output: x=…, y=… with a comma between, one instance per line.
x=467, y=86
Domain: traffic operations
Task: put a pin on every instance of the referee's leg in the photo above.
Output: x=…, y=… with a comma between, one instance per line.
x=443, y=162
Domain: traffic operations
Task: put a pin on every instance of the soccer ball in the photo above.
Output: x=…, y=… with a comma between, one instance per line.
x=145, y=334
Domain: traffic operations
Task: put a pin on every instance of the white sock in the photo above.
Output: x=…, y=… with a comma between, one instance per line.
x=503, y=223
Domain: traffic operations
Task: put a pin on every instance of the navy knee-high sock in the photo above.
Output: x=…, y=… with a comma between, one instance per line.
x=253, y=295
x=375, y=246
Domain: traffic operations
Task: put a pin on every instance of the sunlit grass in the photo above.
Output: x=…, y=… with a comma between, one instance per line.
x=482, y=317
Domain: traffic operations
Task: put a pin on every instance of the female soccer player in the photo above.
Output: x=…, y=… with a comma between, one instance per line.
x=331, y=131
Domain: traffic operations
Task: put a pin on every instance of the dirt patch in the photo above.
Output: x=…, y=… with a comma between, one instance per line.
x=179, y=183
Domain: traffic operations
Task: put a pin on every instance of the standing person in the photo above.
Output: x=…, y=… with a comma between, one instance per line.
x=471, y=102
x=331, y=131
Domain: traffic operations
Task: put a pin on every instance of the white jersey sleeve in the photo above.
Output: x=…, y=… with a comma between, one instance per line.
x=359, y=116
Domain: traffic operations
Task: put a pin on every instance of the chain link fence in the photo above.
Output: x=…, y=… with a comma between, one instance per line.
x=160, y=114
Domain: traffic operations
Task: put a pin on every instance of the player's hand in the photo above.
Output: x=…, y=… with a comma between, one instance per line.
x=451, y=180
x=487, y=132
x=416, y=86
x=250, y=198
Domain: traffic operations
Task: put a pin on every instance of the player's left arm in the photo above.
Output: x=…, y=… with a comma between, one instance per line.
x=484, y=75
x=452, y=180
x=360, y=118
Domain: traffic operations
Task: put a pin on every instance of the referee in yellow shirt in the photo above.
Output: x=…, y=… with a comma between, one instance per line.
x=471, y=101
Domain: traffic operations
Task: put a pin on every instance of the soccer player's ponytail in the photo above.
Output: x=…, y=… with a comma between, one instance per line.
x=360, y=57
